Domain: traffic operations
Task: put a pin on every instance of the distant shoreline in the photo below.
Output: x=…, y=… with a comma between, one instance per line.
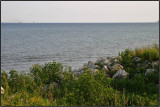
x=75, y=22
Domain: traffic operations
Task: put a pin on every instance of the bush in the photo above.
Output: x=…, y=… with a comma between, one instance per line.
x=127, y=58
x=47, y=74
x=90, y=89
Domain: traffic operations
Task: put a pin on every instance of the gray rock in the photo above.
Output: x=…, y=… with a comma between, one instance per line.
x=103, y=61
x=109, y=67
x=80, y=70
x=100, y=60
x=139, y=65
x=113, y=57
x=148, y=71
x=120, y=74
x=136, y=59
x=146, y=61
x=154, y=64
x=90, y=65
x=108, y=57
x=94, y=71
x=149, y=63
x=115, y=61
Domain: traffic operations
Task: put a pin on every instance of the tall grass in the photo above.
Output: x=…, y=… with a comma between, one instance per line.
x=148, y=53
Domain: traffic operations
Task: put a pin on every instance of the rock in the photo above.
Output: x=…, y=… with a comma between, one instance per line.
x=120, y=74
x=136, y=59
x=116, y=67
x=140, y=65
x=103, y=61
x=113, y=57
x=108, y=57
x=149, y=63
x=146, y=61
x=78, y=71
x=115, y=61
x=105, y=68
x=109, y=67
x=99, y=60
x=90, y=65
x=2, y=90
x=148, y=71
x=106, y=62
x=97, y=67
x=154, y=64
x=94, y=71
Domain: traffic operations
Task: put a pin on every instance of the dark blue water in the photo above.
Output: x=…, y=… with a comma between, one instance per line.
x=23, y=45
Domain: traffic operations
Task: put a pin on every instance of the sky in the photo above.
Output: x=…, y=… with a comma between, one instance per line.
x=79, y=11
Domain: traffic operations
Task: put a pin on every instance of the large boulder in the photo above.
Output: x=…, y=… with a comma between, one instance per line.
x=2, y=90
x=149, y=71
x=120, y=74
x=116, y=67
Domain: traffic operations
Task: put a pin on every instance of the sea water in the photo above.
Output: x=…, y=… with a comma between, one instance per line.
x=73, y=44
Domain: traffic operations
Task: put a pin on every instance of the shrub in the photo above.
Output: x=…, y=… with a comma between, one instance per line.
x=47, y=74
x=127, y=58
x=90, y=89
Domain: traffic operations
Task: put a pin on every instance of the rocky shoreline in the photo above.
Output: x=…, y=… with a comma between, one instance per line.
x=112, y=67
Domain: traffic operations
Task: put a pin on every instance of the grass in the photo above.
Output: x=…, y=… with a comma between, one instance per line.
x=63, y=89
x=151, y=52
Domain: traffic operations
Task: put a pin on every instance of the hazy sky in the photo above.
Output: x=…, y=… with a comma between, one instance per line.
x=79, y=11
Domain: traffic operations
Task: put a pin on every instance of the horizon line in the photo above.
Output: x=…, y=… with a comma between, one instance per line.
x=82, y=22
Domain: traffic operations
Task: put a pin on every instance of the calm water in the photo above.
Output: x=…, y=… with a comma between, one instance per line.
x=23, y=45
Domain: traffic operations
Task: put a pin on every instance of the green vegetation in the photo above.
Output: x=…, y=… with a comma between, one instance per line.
x=55, y=85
